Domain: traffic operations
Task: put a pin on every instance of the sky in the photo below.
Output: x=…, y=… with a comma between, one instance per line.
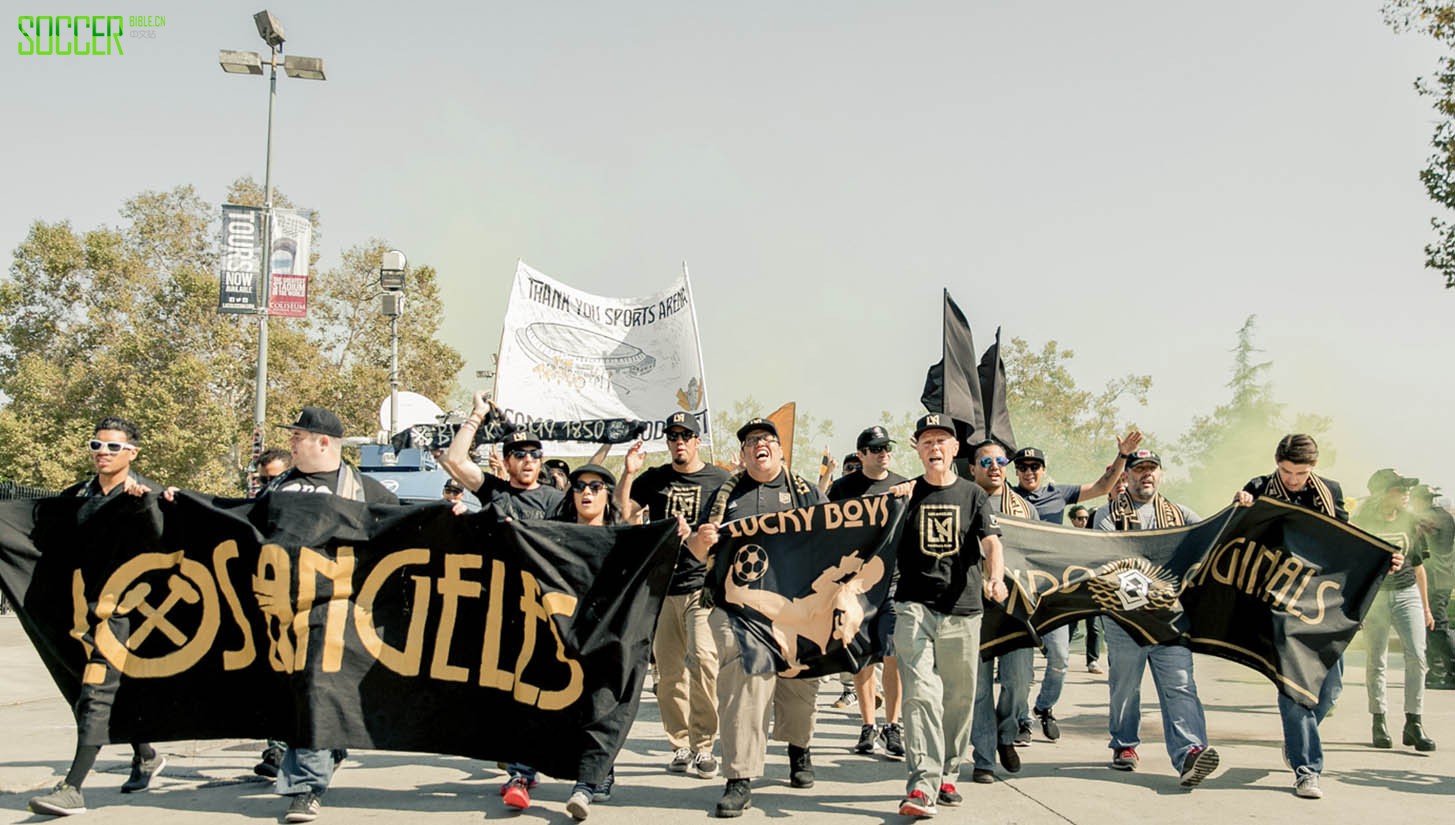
x=1131, y=180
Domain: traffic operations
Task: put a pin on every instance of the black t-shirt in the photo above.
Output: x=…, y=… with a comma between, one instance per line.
x=91, y=489
x=939, y=551
x=508, y=501
x=858, y=485
x=1403, y=533
x=751, y=498
x=667, y=493
x=295, y=481
x=1256, y=487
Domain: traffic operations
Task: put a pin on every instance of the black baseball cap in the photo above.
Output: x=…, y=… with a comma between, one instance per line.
x=934, y=421
x=684, y=420
x=1029, y=454
x=853, y=458
x=317, y=420
x=1136, y=457
x=557, y=464
x=520, y=438
x=757, y=424
x=873, y=437
x=593, y=468
x=452, y=486
x=1387, y=479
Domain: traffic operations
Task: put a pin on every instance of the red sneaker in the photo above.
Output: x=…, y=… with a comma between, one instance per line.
x=1126, y=759
x=917, y=804
x=517, y=793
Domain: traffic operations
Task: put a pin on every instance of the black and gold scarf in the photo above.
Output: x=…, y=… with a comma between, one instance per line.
x=1323, y=498
x=1124, y=513
x=1014, y=505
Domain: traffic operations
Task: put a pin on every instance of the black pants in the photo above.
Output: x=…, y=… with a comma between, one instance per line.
x=1441, y=647
x=1093, y=639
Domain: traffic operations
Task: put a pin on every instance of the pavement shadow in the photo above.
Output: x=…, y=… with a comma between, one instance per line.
x=1398, y=780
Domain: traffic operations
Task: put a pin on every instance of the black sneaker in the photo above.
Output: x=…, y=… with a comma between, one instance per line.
x=142, y=772
x=1197, y=765
x=602, y=792
x=893, y=736
x=867, y=735
x=268, y=767
x=737, y=796
x=1009, y=759
x=1048, y=723
x=1023, y=733
x=949, y=797
x=983, y=776
x=800, y=767
x=63, y=800
x=303, y=808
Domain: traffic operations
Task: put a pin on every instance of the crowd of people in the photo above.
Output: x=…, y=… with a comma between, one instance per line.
x=939, y=699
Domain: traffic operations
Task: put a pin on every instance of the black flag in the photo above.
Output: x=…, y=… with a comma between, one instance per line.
x=992, y=394
x=951, y=386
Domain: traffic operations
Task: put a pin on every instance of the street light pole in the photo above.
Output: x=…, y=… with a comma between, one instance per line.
x=391, y=278
x=260, y=378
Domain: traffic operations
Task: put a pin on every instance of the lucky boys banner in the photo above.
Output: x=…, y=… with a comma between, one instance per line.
x=570, y=356
x=328, y=623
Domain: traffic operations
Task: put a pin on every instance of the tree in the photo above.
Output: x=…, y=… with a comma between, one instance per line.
x=1076, y=428
x=1223, y=449
x=123, y=320
x=1437, y=20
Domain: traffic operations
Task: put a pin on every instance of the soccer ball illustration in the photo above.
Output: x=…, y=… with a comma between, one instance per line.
x=750, y=563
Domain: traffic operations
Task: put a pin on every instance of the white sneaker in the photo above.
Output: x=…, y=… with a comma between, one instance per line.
x=681, y=759
x=1307, y=787
x=579, y=805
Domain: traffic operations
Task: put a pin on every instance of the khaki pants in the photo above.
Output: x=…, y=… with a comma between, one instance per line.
x=744, y=703
x=939, y=656
x=686, y=673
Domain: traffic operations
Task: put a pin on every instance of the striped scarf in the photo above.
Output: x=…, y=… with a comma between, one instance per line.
x=1323, y=498
x=800, y=489
x=1124, y=513
x=1014, y=505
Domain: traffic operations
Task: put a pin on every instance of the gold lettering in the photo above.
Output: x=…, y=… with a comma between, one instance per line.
x=853, y=513
x=270, y=589
x=1265, y=554
x=191, y=583
x=560, y=604
x=1286, y=573
x=453, y=588
x=1033, y=576
x=876, y=509
x=490, y=673
x=243, y=656
x=746, y=527
x=529, y=605
x=404, y=662
x=1228, y=552
x=1298, y=594
x=1071, y=579
x=1250, y=551
x=1319, y=599
x=833, y=517
x=80, y=612
x=771, y=524
x=340, y=573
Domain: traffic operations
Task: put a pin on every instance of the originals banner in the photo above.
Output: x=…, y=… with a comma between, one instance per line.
x=568, y=355
x=327, y=623
x=1278, y=588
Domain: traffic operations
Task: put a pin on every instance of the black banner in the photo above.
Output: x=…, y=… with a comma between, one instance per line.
x=808, y=589
x=494, y=431
x=1278, y=588
x=328, y=623
x=952, y=385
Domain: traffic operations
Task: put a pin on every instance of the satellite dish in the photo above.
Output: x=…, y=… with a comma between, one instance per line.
x=413, y=409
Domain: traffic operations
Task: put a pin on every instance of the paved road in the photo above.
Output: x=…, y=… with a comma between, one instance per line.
x=1066, y=781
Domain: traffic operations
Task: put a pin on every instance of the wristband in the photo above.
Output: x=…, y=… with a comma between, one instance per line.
x=1124, y=456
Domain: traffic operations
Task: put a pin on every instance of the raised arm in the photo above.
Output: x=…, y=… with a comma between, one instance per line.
x=1103, y=485
x=631, y=465
x=456, y=460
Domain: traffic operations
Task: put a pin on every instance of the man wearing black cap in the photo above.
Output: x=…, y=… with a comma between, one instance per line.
x=316, y=443
x=556, y=473
x=683, y=645
x=520, y=495
x=874, y=452
x=1403, y=602
x=764, y=485
x=1051, y=500
x=1184, y=723
x=948, y=529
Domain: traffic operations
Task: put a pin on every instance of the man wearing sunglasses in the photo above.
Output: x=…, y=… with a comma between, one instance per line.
x=315, y=442
x=113, y=448
x=997, y=720
x=764, y=485
x=683, y=646
x=520, y=495
x=874, y=452
x=1051, y=500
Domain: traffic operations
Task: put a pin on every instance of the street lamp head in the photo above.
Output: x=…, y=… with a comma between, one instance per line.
x=269, y=28
x=240, y=62
x=304, y=68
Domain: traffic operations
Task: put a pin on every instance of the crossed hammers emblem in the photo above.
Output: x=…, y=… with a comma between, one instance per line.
x=179, y=590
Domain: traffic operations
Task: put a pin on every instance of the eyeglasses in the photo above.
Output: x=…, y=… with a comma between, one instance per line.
x=853, y=468
x=98, y=446
x=988, y=461
x=1080, y=518
x=679, y=435
x=536, y=454
x=593, y=486
x=1029, y=468
x=883, y=448
x=761, y=439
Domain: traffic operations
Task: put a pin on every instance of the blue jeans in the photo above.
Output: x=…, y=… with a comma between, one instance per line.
x=307, y=769
x=1402, y=610
x=996, y=720
x=1301, y=724
x=1058, y=655
x=1184, y=726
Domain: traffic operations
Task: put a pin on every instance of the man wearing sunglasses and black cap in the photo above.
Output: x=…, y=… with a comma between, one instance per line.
x=113, y=447
x=683, y=645
x=520, y=495
x=874, y=452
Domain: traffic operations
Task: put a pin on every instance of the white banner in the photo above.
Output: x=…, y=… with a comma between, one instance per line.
x=568, y=355
x=288, y=282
